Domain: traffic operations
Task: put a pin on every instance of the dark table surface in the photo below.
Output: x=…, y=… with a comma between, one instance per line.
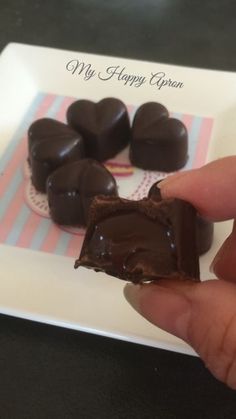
x=48, y=372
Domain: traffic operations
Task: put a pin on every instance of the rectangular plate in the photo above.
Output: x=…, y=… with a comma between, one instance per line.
x=37, y=279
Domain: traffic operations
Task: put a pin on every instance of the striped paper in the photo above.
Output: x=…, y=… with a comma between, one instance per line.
x=23, y=226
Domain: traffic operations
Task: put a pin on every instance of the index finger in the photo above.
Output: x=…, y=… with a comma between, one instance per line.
x=211, y=189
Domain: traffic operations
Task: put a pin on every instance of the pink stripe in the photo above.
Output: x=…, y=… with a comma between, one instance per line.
x=13, y=164
x=117, y=164
x=187, y=121
x=54, y=233
x=28, y=231
x=203, y=142
x=61, y=114
x=11, y=213
x=17, y=160
x=21, y=149
x=130, y=108
x=74, y=246
x=51, y=240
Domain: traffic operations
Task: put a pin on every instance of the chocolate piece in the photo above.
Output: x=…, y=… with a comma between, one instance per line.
x=204, y=228
x=158, y=142
x=51, y=144
x=155, y=192
x=205, y=234
x=104, y=125
x=141, y=240
x=72, y=187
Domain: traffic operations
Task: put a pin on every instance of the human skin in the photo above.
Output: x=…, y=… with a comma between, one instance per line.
x=203, y=314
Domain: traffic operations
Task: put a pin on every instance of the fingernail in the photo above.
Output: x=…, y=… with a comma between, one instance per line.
x=132, y=294
x=166, y=180
x=217, y=261
x=212, y=265
x=172, y=178
x=166, y=308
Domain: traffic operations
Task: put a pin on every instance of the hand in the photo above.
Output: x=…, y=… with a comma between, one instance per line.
x=203, y=314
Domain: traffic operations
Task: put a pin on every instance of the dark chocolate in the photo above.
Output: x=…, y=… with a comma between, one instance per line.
x=104, y=125
x=158, y=142
x=141, y=240
x=155, y=192
x=204, y=228
x=51, y=144
x=205, y=234
x=72, y=187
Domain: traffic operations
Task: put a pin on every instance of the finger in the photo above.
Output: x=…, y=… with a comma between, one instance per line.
x=210, y=189
x=224, y=263
x=203, y=314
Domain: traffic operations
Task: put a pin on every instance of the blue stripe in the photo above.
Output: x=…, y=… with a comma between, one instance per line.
x=45, y=224
x=193, y=140
x=20, y=221
x=62, y=244
x=17, y=137
x=54, y=107
x=176, y=115
x=25, y=212
x=10, y=192
x=40, y=234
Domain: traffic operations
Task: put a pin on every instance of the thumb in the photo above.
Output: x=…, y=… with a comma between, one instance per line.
x=202, y=314
x=224, y=263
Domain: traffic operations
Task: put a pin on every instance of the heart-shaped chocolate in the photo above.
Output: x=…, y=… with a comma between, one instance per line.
x=104, y=126
x=51, y=144
x=71, y=189
x=204, y=228
x=158, y=142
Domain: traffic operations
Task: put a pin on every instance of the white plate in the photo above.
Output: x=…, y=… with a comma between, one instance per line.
x=43, y=286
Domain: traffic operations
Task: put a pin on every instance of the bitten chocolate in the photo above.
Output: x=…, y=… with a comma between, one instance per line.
x=72, y=187
x=142, y=240
x=158, y=141
x=204, y=228
x=51, y=144
x=104, y=125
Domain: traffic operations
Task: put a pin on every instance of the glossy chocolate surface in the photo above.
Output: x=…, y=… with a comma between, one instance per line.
x=51, y=144
x=158, y=142
x=104, y=125
x=204, y=228
x=72, y=188
x=141, y=240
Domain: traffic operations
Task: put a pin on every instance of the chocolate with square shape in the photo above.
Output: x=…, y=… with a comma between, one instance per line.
x=142, y=240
